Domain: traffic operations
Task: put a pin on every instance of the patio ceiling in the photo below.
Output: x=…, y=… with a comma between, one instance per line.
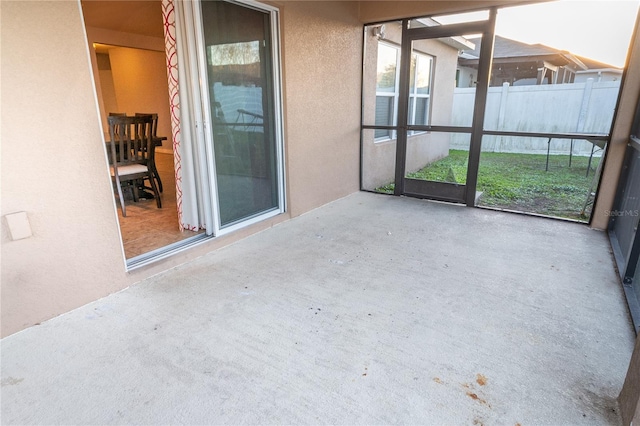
x=374, y=11
x=142, y=17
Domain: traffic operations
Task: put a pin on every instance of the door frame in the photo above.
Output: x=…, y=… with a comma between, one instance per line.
x=443, y=190
x=204, y=113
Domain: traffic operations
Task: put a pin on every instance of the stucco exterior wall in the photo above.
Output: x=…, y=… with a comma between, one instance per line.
x=322, y=46
x=598, y=76
x=54, y=168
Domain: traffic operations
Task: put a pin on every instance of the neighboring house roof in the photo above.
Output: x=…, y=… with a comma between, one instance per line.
x=507, y=50
x=597, y=65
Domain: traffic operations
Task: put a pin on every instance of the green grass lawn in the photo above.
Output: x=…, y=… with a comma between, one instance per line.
x=519, y=181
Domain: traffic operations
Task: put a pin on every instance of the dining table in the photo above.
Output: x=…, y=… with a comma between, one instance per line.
x=157, y=140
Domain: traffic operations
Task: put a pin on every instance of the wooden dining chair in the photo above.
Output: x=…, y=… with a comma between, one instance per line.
x=118, y=114
x=154, y=133
x=132, y=152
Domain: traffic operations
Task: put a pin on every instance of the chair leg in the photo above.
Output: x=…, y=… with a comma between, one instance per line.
x=135, y=191
x=121, y=196
x=155, y=190
x=156, y=175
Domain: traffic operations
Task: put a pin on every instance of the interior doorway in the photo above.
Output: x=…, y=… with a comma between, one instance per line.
x=130, y=73
x=213, y=80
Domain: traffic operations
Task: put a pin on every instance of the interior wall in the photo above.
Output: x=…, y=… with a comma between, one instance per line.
x=140, y=85
x=135, y=41
x=138, y=77
x=105, y=76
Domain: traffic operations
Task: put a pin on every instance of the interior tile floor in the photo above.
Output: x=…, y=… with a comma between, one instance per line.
x=370, y=310
x=146, y=228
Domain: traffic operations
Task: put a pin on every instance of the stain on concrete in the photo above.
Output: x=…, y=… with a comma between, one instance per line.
x=598, y=404
x=481, y=380
x=10, y=381
x=475, y=397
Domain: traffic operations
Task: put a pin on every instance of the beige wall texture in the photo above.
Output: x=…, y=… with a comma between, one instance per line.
x=54, y=168
x=322, y=46
x=629, y=398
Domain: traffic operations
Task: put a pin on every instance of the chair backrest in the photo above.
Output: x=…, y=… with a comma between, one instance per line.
x=154, y=116
x=120, y=114
x=131, y=140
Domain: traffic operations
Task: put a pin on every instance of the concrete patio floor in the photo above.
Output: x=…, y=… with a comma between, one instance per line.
x=370, y=310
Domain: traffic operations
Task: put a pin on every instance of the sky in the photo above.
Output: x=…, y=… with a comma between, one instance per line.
x=596, y=29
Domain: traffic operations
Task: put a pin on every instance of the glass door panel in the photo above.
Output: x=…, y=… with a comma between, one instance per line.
x=241, y=93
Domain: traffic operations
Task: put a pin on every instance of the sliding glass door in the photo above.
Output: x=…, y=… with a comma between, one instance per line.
x=238, y=45
x=216, y=91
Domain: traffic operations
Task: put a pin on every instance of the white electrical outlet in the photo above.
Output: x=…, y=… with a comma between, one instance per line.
x=19, y=226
